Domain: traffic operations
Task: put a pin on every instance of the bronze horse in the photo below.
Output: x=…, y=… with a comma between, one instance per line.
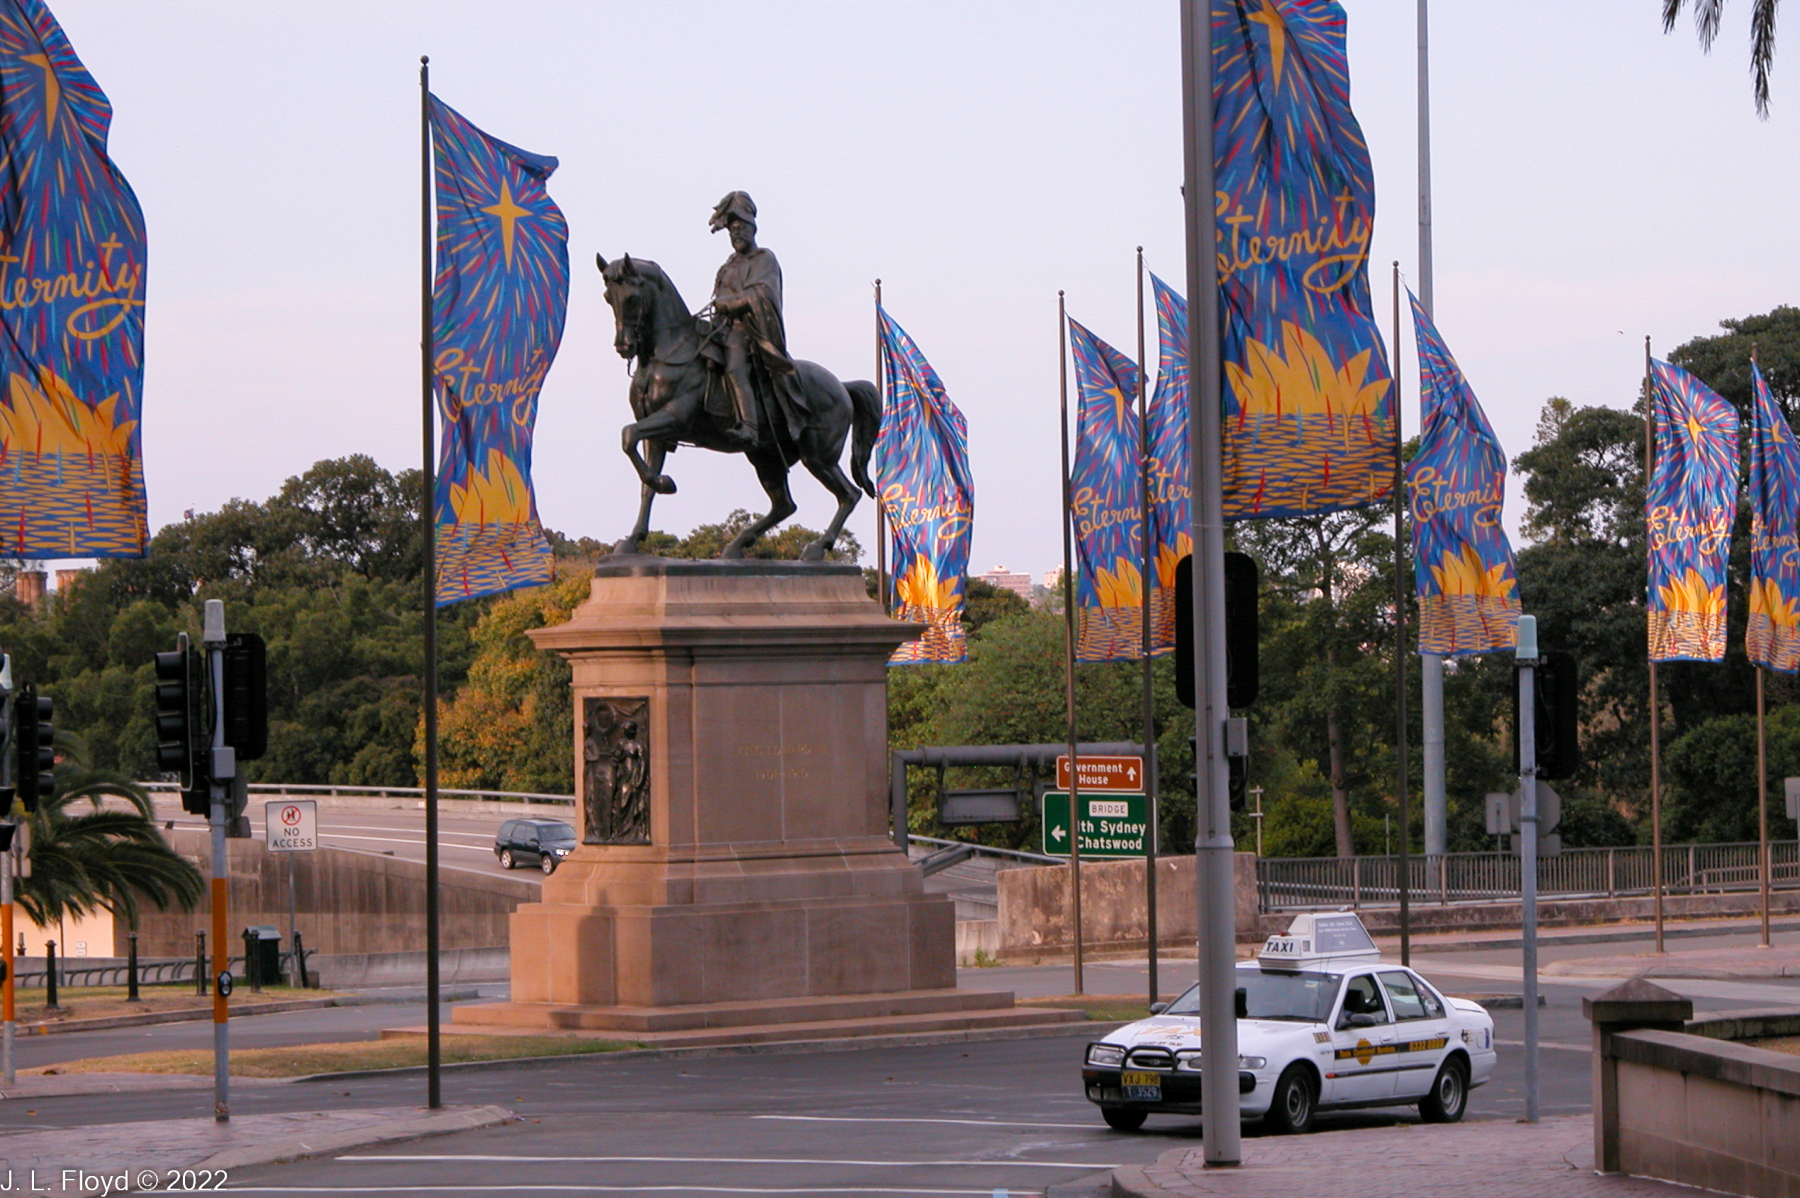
x=673, y=382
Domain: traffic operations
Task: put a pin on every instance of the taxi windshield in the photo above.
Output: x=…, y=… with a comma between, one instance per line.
x=1271, y=994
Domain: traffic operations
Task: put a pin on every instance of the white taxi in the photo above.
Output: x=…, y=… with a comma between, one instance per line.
x=1323, y=1024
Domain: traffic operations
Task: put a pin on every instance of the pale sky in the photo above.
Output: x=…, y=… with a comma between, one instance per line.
x=1594, y=181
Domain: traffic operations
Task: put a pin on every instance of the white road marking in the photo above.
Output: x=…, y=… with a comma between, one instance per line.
x=724, y=1160
x=957, y=1122
x=1584, y=1048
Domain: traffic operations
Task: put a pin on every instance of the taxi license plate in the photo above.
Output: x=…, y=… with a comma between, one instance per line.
x=1141, y=1086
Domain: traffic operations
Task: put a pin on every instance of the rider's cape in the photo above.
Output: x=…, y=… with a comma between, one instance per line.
x=757, y=275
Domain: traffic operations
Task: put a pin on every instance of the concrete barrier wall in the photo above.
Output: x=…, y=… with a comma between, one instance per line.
x=1708, y=1113
x=1034, y=916
x=350, y=971
x=347, y=902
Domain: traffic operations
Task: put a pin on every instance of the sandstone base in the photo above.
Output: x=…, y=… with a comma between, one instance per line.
x=768, y=890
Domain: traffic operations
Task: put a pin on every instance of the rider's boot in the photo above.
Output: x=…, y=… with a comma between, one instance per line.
x=743, y=432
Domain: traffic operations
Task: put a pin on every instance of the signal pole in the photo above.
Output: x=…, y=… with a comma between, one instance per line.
x=224, y=771
x=8, y=1073
x=1213, y=845
x=1528, y=848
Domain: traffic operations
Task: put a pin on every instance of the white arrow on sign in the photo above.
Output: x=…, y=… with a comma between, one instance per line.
x=1058, y=833
x=1131, y=772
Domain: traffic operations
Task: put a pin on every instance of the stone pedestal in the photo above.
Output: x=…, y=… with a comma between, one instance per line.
x=730, y=746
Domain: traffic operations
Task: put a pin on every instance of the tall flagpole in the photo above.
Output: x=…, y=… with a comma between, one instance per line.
x=1150, y=771
x=433, y=1030
x=1062, y=362
x=1431, y=665
x=881, y=546
x=1762, y=761
x=1215, y=900
x=1656, y=870
x=1400, y=762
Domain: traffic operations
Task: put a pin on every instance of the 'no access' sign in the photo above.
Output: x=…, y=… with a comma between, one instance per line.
x=291, y=825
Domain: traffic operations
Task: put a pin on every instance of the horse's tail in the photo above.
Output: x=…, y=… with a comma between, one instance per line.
x=865, y=409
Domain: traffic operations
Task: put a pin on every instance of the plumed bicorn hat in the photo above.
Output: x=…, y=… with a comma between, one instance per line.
x=737, y=204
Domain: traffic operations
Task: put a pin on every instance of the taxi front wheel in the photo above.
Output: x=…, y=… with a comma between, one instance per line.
x=1122, y=1120
x=1293, y=1103
x=1449, y=1096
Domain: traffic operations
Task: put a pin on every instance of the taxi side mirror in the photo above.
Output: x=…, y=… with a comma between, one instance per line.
x=1157, y=1008
x=1357, y=1019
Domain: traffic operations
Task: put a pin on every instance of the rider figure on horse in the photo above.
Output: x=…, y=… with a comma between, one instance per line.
x=747, y=308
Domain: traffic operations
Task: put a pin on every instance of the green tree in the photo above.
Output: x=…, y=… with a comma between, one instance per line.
x=89, y=853
x=1762, y=37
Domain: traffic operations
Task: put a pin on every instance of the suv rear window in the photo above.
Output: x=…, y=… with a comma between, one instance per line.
x=506, y=829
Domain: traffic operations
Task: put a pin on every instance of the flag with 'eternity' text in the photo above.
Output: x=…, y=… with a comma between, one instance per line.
x=1690, y=504
x=928, y=496
x=498, y=302
x=71, y=307
x=1309, y=412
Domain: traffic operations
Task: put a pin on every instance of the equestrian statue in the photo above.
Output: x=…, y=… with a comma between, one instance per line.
x=722, y=380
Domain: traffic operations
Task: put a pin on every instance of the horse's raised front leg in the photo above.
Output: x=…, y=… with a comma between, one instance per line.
x=827, y=471
x=654, y=429
x=771, y=472
x=632, y=543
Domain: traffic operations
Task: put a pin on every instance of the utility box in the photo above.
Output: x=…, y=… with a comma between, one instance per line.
x=262, y=955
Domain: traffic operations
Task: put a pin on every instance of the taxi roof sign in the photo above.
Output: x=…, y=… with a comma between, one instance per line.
x=1318, y=938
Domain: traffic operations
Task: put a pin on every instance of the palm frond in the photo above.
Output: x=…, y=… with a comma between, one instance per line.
x=1762, y=37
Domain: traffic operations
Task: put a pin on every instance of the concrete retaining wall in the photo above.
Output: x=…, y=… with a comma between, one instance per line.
x=1709, y=1113
x=1033, y=916
x=347, y=902
x=1034, y=905
x=352, y=971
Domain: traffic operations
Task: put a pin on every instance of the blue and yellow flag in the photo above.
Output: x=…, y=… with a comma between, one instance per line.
x=928, y=496
x=1171, y=516
x=1456, y=484
x=1309, y=409
x=497, y=313
x=1106, y=503
x=1690, y=504
x=1772, y=639
x=71, y=307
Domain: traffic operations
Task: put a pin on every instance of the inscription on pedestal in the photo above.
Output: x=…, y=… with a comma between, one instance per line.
x=615, y=752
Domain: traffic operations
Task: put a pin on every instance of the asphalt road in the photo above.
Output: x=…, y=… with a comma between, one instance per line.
x=465, y=841
x=948, y=1119
x=1000, y=1116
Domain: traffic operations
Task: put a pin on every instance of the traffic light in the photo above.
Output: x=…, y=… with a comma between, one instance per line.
x=180, y=730
x=34, y=734
x=246, y=695
x=1241, y=634
x=1557, y=691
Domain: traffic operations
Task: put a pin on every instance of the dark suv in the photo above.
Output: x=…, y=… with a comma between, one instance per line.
x=539, y=842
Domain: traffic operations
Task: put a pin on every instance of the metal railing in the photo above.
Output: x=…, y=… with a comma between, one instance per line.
x=1315, y=883
x=380, y=792
x=157, y=972
x=984, y=850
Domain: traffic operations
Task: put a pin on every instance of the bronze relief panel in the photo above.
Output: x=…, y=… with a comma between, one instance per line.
x=615, y=750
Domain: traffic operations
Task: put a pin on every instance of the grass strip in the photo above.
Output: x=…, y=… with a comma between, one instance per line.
x=1098, y=1008
x=97, y=1002
x=305, y=1059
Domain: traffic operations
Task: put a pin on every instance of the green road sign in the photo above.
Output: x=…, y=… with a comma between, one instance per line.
x=1112, y=825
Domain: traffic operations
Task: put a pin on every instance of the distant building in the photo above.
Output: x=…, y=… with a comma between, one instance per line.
x=1053, y=579
x=29, y=587
x=1006, y=580
x=66, y=579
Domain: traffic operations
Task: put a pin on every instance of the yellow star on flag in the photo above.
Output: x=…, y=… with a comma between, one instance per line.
x=509, y=214
x=1277, y=34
